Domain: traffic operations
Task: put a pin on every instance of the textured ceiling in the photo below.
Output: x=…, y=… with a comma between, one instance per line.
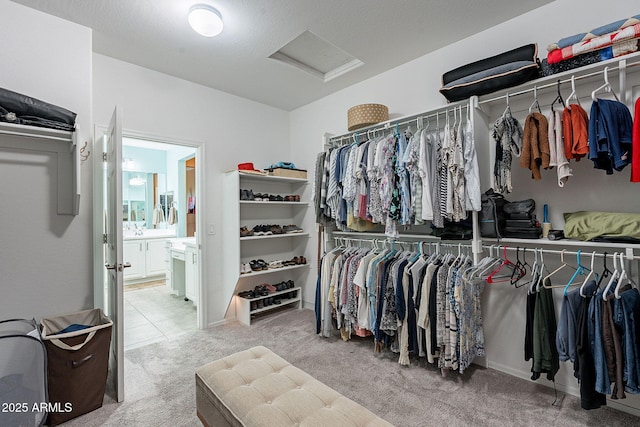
x=381, y=33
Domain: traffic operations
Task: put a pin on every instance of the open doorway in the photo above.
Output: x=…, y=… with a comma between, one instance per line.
x=158, y=206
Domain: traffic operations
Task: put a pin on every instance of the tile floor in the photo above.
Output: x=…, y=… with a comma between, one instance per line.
x=153, y=314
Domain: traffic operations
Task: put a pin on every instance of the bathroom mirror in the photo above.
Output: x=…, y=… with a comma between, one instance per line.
x=141, y=192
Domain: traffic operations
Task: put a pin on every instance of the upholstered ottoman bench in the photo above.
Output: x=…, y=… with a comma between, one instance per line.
x=256, y=387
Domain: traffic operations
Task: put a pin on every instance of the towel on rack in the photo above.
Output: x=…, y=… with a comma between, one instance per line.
x=158, y=216
x=173, y=215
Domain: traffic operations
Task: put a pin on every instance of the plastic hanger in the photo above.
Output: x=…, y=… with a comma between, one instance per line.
x=613, y=278
x=573, y=93
x=506, y=265
x=591, y=273
x=534, y=272
x=535, y=102
x=519, y=283
x=605, y=272
x=518, y=270
x=606, y=86
x=623, y=279
x=558, y=98
x=507, y=111
x=539, y=281
x=564, y=264
x=581, y=270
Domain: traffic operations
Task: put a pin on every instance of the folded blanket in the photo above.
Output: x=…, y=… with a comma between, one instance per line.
x=627, y=33
x=609, y=52
x=596, y=32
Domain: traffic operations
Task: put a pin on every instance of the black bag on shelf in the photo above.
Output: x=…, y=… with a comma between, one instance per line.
x=492, y=217
x=521, y=220
x=24, y=110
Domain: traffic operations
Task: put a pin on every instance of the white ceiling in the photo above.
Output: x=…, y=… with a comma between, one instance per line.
x=381, y=33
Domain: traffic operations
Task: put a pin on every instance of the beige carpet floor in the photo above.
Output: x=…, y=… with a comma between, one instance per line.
x=160, y=382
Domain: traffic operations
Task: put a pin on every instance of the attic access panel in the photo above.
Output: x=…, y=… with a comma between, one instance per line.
x=316, y=56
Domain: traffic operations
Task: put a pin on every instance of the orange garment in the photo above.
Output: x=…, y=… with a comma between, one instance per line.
x=535, y=144
x=575, y=124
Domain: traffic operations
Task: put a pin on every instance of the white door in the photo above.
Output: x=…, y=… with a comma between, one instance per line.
x=114, y=304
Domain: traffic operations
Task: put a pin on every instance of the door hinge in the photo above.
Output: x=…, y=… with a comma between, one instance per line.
x=104, y=238
x=104, y=157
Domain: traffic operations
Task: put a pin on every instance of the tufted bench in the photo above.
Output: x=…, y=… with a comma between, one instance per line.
x=256, y=387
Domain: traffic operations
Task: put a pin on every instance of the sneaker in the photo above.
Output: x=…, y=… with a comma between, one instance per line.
x=292, y=229
x=245, y=232
x=258, y=230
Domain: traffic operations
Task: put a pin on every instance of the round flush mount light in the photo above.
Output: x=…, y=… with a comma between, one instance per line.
x=205, y=20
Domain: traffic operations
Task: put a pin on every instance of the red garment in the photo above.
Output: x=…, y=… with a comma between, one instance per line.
x=635, y=146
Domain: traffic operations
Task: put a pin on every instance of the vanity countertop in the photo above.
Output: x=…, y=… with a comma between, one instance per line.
x=179, y=244
x=149, y=234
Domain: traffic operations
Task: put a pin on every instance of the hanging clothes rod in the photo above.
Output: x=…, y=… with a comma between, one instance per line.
x=555, y=83
x=390, y=124
x=558, y=252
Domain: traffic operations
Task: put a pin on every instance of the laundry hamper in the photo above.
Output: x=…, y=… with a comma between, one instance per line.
x=23, y=374
x=78, y=361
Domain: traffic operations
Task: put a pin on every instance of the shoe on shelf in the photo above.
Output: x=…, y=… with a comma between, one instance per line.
x=245, y=232
x=276, y=229
x=246, y=294
x=303, y=260
x=245, y=268
x=292, y=228
x=257, y=230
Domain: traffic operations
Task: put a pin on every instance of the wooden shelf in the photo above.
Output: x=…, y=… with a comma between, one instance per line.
x=273, y=270
x=253, y=202
x=274, y=236
x=256, y=177
x=243, y=305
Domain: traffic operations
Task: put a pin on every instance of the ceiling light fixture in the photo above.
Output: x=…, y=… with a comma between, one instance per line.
x=205, y=20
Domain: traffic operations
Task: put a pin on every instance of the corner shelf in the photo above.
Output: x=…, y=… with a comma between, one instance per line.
x=237, y=213
x=59, y=144
x=243, y=305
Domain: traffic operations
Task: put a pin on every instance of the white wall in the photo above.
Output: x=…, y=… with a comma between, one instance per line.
x=45, y=259
x=413, y=88
x=232, y=129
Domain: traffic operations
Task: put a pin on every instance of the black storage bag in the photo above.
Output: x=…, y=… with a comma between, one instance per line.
x=492, y=217
x=521, y=220
x=24, y=110
x=488, y=75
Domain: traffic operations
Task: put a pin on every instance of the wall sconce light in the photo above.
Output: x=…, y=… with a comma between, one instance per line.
x=205, y=20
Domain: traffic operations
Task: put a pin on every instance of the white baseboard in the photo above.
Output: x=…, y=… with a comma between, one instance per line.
x=220, y=322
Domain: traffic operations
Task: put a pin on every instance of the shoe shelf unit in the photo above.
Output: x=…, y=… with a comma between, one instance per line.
x=239, y=250
x=244, y=310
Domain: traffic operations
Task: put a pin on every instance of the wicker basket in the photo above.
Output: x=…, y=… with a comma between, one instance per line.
x=366, y=115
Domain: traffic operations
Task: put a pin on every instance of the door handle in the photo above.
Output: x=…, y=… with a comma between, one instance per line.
x=118, y=267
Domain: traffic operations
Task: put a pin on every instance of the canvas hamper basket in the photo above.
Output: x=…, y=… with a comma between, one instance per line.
x=77, y=362
x=366, y=115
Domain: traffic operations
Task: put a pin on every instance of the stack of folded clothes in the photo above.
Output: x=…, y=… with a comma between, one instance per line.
x=608, y=41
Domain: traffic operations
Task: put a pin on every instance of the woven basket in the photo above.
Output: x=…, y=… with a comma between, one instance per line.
x=366, y=115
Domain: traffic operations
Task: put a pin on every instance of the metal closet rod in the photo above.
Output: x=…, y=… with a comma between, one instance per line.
x=418, y=242
x=400, y=121
x=584, y=253
x=554, y=84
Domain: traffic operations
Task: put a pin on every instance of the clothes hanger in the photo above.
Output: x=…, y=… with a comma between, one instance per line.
x=605, y=273
x=606, y=86
x=518, y=269
x=581, y=270
x=519, y=283
x=573, y=93
x=591, y=273
x=535, y=102
x=558, y=98
x=564, y=264
x=622, y=280
x=613, y=278
x=506, y=265
x=507, y=111
x=534, y=272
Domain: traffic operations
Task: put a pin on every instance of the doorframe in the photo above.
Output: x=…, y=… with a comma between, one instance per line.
x=98, y=209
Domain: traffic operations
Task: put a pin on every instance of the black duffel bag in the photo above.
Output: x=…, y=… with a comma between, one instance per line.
x=24, y=110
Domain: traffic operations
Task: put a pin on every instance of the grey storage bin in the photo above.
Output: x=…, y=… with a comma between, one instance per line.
x=23, y=374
